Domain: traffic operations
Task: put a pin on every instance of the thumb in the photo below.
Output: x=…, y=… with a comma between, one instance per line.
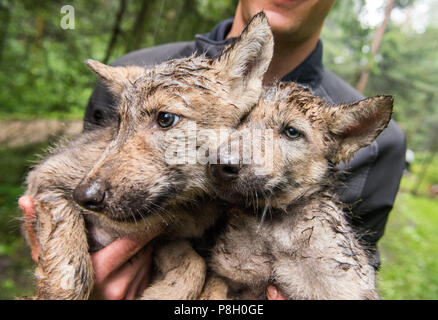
x=28, y=207
x=273, y=294
x=26, y=204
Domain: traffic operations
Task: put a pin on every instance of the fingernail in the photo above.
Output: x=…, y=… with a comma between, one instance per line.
x=272, y=293
x=23, y=202
x=26, y=204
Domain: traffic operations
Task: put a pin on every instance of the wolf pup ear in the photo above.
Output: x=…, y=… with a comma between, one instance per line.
x=115, y=78
x=357, y=125
x=244, y=63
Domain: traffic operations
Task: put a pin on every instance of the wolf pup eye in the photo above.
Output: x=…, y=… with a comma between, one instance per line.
x=166, y=119
x=292, y=133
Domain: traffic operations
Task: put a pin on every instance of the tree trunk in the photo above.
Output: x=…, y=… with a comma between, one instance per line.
x=5, y=18
x=137, y=32
x=377, y=40
x=116, y=30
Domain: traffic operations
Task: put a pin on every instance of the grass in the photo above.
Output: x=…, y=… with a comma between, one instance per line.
x=409, y=248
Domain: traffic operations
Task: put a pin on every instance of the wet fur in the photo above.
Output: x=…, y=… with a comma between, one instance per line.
x=144, y=193
x=304, y=246
x=287, y=228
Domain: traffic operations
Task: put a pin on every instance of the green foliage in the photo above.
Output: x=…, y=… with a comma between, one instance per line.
x=15, y=263
x=406, y=66
x=408, y=250
x=43, y=75
x=409, y=73
x=423, y=174
x=344, y=37
x=42, y=71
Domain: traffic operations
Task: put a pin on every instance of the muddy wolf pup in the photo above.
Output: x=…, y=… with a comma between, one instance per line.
x=115, y=181
x=304, y=246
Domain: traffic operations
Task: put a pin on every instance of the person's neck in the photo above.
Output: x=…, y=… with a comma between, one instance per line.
x=287, y=54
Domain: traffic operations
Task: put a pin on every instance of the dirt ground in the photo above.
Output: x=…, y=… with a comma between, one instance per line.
x=18, y=133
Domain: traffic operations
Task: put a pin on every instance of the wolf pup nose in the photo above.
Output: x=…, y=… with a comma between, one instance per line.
x=224, y=172
x=90, y=195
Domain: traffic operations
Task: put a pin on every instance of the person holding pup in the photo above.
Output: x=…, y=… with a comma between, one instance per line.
x=122, y=269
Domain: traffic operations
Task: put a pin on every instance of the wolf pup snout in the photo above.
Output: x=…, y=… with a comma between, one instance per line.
x=90, y=195
x=225, y=172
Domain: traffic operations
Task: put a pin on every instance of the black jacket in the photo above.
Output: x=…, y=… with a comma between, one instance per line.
x=375, y=171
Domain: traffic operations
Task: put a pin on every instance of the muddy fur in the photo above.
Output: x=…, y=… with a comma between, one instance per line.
x=115, y=182
x=287, y=227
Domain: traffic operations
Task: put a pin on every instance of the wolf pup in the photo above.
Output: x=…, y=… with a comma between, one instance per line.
x=305, y=247
x=115, y=181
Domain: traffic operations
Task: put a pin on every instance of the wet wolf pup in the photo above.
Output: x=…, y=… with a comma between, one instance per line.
x=305, y=246
x=115, y=181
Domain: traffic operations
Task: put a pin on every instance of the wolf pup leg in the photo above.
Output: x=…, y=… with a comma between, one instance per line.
x=215, y=288
x=64, y=268
x=183, y=273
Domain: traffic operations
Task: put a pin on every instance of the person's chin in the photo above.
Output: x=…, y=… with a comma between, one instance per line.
x=279, y=21
x=286, y=3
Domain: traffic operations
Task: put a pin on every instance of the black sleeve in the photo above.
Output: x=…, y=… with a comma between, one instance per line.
x=100, y=109
x=373, y=181
x=374, y=173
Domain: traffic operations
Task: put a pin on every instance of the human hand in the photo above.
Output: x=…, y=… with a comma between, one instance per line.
x=273, y=294
x=121, y=269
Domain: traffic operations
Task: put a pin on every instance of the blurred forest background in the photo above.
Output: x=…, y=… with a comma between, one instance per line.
x=379, y=46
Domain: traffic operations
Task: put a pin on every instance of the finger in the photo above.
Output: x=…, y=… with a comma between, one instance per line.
x=146, y=281
x=144, y=284
x=273, y=294
x=136, y=283
x=28, y=207
x=116, y=254
x=141, y=280
x=26, y=204
x=116, y=286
